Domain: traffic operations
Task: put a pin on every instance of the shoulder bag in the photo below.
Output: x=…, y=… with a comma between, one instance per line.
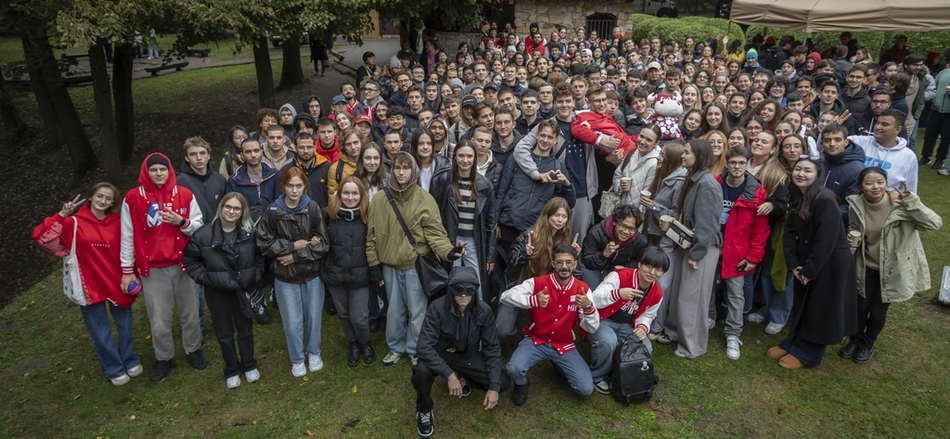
x=72, y=280
x=432, y=276
x=680, y=234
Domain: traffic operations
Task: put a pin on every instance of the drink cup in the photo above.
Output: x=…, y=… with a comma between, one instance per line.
x=855, y=238
x=625, y=183
x=665, y=222
x=645, y=194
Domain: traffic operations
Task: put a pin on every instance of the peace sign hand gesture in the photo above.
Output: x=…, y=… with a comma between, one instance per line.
x=70, y=206
x=574, y=244
x=528, y=248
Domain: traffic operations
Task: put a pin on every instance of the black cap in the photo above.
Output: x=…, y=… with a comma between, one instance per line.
x=156, y=159
x=469, y=100
x=463, y=276
x=368, y=55
x=491, y=85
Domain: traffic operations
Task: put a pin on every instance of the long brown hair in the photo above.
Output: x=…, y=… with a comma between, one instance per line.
x=672, y=153
x=545, y=238
x=116, y=197
x=336, y=201
x=704, y=160
x=457, y=177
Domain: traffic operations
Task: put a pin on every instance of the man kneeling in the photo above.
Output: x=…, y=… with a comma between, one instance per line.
x=454, y=328
x=556, y=304
x=627, y=301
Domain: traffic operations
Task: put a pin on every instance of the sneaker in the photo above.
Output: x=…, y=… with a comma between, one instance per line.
x=664, y=339
x=252, y=375
x=197, y=360
x=373, y=325
x=519, y=395
x=679, y=353
x=943, y=171
x=862, y=356
x=314, y=362
x=754, y=317
x=711, y=323
x=298, y=370
x=424, y=423
x=653, y=336
x=263, y=318
x=135, y=371
x=369, y=355
x=160, y=370
x=414, y=360
x=773, y=328
x=466, y=389
x=120, y=380
x=732, y=347
x=923, y=161
x=603, y=387
x=233, y=382
x=391, y=358
x=939, y=164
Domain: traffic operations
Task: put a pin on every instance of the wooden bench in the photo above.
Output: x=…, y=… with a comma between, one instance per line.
x=76, y=80
x=177, y=66
x=200, y=53
x=76, y=56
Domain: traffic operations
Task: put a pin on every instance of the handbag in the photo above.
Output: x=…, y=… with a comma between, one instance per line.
x=72, y=280
x=432, y=275
x=608, y=201
x=680, y=234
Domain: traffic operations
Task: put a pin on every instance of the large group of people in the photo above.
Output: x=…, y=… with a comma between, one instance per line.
x=782, y=190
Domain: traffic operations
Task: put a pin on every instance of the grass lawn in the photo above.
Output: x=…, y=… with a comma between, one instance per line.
x=51, y=385
x=11, y=49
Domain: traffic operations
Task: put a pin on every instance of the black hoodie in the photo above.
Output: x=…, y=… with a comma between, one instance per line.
x=208, y=188
x=306, y=106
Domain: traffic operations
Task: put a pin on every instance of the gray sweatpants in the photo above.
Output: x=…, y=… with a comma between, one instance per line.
x=165, y=289
x=689, y=302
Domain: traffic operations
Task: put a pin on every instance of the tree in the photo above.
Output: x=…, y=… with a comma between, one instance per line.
x=10, y=119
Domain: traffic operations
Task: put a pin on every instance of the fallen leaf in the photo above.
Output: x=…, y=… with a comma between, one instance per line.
x=132, y=418
x=148, y=337
x=306, y=378
x=698, y=408
x=351, y=422
x=68, y=370
x=77, y=396
x=309, y=433
x=253, y=422
x=353, y=389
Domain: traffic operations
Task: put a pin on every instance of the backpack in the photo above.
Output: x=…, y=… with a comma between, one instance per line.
x=632, y=379
x=769, y=60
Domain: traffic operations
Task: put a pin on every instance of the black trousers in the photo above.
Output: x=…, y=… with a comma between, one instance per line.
x=226, y=316
x=872, y=311
x=473, y=369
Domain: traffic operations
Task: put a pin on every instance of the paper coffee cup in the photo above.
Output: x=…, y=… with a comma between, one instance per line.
x=625, y=183
x=645, y=194
x=855, y=238
x=665, y=222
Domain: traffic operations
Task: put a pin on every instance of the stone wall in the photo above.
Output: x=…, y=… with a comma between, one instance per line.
x=570, y=14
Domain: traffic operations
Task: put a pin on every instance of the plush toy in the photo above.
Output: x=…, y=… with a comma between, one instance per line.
x=666, y=113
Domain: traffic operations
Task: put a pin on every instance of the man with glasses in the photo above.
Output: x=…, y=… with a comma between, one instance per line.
x=371, y=97
x=855, y=97
x=458, y=342
x=614, y=242
x=745, y=233
x=921, y=90
x=403, y=82
x=862, y=123
x=627, y=301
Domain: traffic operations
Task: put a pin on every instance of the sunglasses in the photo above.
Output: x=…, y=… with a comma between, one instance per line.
x=463, y=289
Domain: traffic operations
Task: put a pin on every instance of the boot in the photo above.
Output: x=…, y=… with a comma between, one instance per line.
x=864, y=353
x=354, y=358
x=849, y=349
x=368, y=354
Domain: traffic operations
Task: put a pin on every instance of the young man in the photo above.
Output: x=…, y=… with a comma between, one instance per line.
x=487, y=164
x=556, y=303
x=744, y=234
x=886, y=150
x=654, y=75
x=483, y=115
x=348, y=91
x=579, y=87
x=397, y=123
x=313, y=106
x=287, y=113
x=277, y=153
x=862, y=123
x=415, y=104
x=254, y=179
x=327, y=140
x=403, y=82
x=371, y=97
x=368, y=70
x=266, y=117
x=827, y=100
x=158, y=217
x=627, y=301
x=855, y=97
x=640, y=110
x=480, y=69
x=392, y=144
x=614, y=242
x=466, y=120
x=505, y=138
x=458, y=343
x=737, y=106
x=529, y=118
x=490, y=93
x=338, y=105
x=843, y=161
x=793, y=101
x=314, y=165
x=508, y=101
x=304, y=123
x=546, y=100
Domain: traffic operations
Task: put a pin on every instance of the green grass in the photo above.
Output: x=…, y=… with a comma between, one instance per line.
x=11, y=49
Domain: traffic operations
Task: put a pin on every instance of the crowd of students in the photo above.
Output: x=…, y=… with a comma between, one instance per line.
x=532, y=169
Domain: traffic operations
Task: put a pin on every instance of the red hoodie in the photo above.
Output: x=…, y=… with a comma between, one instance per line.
x=146, y=240
x=97, y=250
x=588, y=126
x=332, y=155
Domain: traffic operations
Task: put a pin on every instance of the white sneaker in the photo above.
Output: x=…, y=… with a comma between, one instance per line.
x=773, y=328
x=135, y=371
x=315, y=363
x=711, y=323
x=732, y=347
x=664, y=339
x=298, y=370
x=234, y=382
x=120, y=380
x=252, y=375
x=754, y=317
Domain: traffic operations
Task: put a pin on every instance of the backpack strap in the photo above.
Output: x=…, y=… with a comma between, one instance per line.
x=313, y=210
x=339, y=171
x=272, y=217
x=402, y=222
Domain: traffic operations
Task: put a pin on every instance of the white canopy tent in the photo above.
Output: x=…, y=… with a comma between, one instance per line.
x=835, y=15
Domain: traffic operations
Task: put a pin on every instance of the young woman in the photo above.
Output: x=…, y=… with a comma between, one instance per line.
x=891, y=264
x=466, y=202
x=738, y=137
x=95, y=232
x=689, y=71
x=232, y=158
x=717, y=140
x=702, y=78
x=776, y=88
x=690, y=98
x=429, y=162
x=755, y=98
x=816, y=250
x=223, y=257
x=715, y=118
x=665, y=190
x=792, y=147
x=343, y=120
x=707, y=95
x=782, y=129
x=720, y=82
x=753, y=126
x=700, y=207
x=764, y=148
x=692, y=126
x=370, y=170
x=346, y=271
x=292, y=232
x=768, y=111
x=639, y=166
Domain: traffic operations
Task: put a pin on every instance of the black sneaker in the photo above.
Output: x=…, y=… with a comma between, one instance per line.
x=373, y=325
x=923, y=161
x=939, y=164
x=424, y=423
x=864, y=354
x=197, y=360
x=354, y=358
x=160, y=370
x=263, y=318
x=849, y=349
x=519, y=395
x=369, y=355
x=466, y=389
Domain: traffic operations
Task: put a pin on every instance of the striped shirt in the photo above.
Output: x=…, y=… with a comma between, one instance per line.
x=466, y=211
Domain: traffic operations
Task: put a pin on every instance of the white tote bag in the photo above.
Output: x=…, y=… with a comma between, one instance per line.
x=72, y=281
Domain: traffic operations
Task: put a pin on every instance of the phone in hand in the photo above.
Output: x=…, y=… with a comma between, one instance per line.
x=743, y=266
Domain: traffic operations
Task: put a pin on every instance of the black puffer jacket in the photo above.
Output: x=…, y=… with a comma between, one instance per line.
x=220, y=265
x=345, y=265
x=278, y=240
x=596, y=241
x=207, y=189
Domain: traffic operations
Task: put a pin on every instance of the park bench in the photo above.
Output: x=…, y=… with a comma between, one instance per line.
x=177, y=66
x=200, y=53
x=76, y=56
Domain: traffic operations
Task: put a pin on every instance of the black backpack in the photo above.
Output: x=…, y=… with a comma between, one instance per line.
x=632, y=379
x=769, y=59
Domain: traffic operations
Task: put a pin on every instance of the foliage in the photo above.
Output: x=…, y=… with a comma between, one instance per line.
x=677, y=29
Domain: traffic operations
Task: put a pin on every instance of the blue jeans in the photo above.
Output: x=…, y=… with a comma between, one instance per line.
x=603, y=342
x=113, y=360
x=778, y=304
x=407, y=309
x=571, y=363
x=301, y=310
x=470, y=259
x=591, y=277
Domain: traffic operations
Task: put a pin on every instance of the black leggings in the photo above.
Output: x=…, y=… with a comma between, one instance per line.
x=872, y=312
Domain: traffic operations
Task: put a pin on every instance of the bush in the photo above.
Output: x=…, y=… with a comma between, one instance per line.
x=677, y=29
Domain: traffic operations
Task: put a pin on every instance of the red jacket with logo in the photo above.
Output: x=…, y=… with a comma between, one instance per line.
x=608, y=301
x=553, y=324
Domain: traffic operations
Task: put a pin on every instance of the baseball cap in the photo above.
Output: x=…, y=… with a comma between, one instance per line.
x=338, y=99
x=653, y=65
x=361, y=119
x=587, y=52
x=469, y=101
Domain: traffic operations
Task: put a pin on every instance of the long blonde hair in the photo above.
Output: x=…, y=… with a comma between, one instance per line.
x=719, y=165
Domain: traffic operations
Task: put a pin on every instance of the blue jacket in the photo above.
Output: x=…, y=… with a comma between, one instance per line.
x=258, y=195
x=842, y=174
x=521, y=198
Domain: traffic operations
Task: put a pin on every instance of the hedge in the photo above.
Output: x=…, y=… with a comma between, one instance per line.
x=646, y=26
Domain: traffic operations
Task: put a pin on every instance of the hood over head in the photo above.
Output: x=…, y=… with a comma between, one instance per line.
x=146, y=180
x=413, y=178
x=306, y=105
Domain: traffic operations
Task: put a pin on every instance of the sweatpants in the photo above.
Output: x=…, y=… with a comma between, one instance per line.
x=166, y=289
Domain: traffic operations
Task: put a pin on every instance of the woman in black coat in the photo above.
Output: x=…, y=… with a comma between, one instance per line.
x=466, y=202
x=345, y=270
x=824, y=307
x=223, y=257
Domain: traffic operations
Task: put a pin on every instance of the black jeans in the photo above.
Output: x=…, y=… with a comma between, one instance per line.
x=473, y=369
x=226, y=316
x=937, y=124
x=872, y=312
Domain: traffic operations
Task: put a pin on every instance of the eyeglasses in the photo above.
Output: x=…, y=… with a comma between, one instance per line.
x=880, y=102
x=463, y=289
x=370, y=89
x=737, y=164
x=855, y=77
x=232, y=208
x=624, y=228
x=656, y=271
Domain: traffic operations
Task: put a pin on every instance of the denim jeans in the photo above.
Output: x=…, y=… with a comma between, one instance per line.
x=603, y=342
x=470, y=259
x=301, y=310
x=591, y=277
x=571, y=363
x=506, y=321
x=407, y=309
x=113, y=360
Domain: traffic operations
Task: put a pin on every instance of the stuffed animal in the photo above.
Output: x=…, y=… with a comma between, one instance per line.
x=667, y=110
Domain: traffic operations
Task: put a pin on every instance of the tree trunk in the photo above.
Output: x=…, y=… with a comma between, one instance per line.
x=10, y=119
x=102, y=94
x=52, y=131
x=80, y=150
x=265, y=75
x=292, y=72
x=122, y=93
